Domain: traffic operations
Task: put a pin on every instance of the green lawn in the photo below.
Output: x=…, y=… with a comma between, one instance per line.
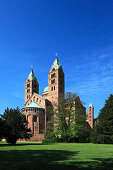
x=56, y=156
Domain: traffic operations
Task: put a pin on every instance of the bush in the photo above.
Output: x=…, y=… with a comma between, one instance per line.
x=47, y=140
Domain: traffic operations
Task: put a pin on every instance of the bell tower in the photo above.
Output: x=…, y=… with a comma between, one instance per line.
x=91, y=115
x=55, y=83
x=31, y=86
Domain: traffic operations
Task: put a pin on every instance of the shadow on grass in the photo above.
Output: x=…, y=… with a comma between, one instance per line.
x=49, y=160
x=19, y=144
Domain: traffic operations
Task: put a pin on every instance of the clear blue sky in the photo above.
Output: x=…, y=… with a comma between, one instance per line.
x=81, y=31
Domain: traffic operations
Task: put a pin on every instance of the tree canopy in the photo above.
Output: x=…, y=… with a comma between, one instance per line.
x=103, y=132
x=68, y=124
x=15, y=126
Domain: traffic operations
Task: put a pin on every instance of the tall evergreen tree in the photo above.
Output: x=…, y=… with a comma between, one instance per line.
x=1, y=128
x=103, y=132
x=15, y=126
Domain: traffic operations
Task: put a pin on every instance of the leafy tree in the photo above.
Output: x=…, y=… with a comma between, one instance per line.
x=49, y=133
x=78, y=128
x=78, y=132
x=56, y=126
x=60, y=128
x=15, y=126
x=70, y=120
x=70, y=101
x=103, y=132
x=68, y=123
x=1, y=128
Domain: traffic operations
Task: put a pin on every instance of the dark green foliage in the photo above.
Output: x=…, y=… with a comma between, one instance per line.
x=1, y=128
x=48, y=140
x=49, y=133
x=103, y=132
x=69, y=123
x=15, y=126
x=78, y=129
x=60, y=121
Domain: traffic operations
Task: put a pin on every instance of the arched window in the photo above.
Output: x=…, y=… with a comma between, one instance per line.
x=28, y=85
x=52, y=81
x=52, y=75
x=28, y=90
x=34, y=98
x=53, y=69
x=34, y=118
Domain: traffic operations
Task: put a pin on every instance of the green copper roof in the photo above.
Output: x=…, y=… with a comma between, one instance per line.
x=31, y=75
x=91, y=105
x=33, y=104
x=56, y=63
x=46, y=89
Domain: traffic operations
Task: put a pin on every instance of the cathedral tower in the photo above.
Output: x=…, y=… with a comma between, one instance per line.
x=31, y=86
x=55, y=83
x=91, y=115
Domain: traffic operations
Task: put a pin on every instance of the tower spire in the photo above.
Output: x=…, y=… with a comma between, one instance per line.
x=31, y=67
x=31, y=86
x=56, y=64
x=56, y=54
x=90, y=105
x=91, y=114
x=31, y=75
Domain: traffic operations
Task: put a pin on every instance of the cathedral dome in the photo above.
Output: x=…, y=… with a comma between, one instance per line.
x=46, y=89
x=33, y=105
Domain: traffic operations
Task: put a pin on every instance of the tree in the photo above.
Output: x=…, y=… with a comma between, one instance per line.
x=1, y=128
x=69, y=122
x=15, y=126
x=70, y=104
x=57, y=126
x=78, y=129
x=49, y=133
x=103, y=132
x=60, y=127
x=78, y=132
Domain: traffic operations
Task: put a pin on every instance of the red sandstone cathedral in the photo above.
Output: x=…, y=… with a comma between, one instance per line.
x=36, y=106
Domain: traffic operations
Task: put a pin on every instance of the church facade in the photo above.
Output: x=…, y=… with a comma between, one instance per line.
x=36, y=106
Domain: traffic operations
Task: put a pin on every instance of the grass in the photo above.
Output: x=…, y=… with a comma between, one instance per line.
x=56, y=156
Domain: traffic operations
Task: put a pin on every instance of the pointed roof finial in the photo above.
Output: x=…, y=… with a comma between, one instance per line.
x=31, y=75
x=56, y=54
x=91, y=105
x=32, y=67
x=56, y=63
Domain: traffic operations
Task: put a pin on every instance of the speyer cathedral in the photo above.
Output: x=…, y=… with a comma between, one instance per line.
x=36, y=106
